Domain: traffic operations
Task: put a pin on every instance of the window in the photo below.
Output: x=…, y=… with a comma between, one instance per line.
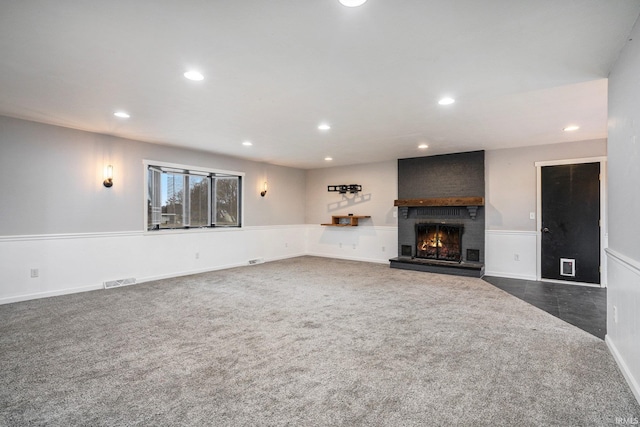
x=187, y=198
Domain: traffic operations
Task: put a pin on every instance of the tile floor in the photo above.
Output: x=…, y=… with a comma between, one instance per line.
x=582, y=306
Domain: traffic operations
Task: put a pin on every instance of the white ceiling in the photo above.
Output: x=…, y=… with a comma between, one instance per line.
x=520, y=70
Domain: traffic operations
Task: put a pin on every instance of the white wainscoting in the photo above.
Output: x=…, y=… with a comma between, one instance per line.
x=80, y=262
x=510, y=253
x=363, y=243
x=623, y=336
x=71, y=263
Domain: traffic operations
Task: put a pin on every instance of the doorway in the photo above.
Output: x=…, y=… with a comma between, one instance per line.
x=570, y=214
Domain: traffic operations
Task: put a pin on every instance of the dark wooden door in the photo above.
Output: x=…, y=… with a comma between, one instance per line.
x=571, y=222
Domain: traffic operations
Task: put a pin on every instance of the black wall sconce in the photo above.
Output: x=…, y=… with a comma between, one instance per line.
x=108, y=176
x=264, y=189
x=343, y=189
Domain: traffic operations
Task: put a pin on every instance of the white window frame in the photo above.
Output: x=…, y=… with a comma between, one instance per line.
x=195, y=170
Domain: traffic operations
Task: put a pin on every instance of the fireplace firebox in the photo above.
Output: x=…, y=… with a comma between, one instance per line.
x=439, y=241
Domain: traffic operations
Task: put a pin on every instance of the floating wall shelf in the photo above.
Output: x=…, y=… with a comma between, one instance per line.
x=345, y=220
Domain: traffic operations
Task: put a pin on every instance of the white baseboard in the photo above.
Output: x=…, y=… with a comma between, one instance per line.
x=57, y=292
x=189, y=272
x=349, y=258
x=279, y=258
x=633, y=384
x=207, y=270
x=509, y=275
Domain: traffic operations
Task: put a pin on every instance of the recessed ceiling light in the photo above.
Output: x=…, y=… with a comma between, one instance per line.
x=247, y=143
x=121, y=114
x=194, y=75
x=328, y=159
x=324, y=126
x=352, y=3
x=423, y=146
x=571, y=128
x=446, y=101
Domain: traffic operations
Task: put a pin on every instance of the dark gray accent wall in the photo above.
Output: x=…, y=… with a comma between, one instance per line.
x=450, y=175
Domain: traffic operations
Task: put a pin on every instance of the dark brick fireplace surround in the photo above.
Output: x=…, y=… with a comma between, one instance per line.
x=446, y=190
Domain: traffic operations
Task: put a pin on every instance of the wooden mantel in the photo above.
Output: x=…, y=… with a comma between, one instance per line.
x=440, y=201
x=471, y=203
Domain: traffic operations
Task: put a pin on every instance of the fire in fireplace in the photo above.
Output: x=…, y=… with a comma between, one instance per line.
x=439, y=241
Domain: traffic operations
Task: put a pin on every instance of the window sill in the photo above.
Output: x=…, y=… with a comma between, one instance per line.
x=165, y=231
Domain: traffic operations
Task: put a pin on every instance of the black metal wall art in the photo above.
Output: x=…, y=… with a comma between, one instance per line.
x=343, y=189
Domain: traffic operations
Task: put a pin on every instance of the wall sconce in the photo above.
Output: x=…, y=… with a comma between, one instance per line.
x=108, y=176
x=264, y=189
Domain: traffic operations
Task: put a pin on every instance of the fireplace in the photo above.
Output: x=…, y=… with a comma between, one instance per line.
x=439, y=241
x=441, y=214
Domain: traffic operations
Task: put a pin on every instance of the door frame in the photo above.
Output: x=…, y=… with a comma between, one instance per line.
x=604, y=234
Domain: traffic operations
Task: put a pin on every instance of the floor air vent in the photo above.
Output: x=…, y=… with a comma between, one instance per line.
x=120, y=282
x=256, y=261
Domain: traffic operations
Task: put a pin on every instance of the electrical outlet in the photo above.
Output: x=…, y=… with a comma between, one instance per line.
x=354, y=246
x=532, y=215
x=383, y=249
x=395, y=214
x=615, y=314
x=35, y=272
x=516, y=257
x=286, y=245
x=197, y=255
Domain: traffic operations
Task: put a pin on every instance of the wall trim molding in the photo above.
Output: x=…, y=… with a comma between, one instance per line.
x=273, y=227
x=313, y=240
x=507, y=275
x=58, y=292
x=358, y=227
x=209, y=269
x=29, y=237
x=511, y=232
x=103, y=234
x=630, y=263
x=597, y=159
x=631, y=381
x=348, y=258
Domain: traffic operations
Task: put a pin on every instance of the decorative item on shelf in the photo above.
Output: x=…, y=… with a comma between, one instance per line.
x=108, y=176
x=264, y=189
x=343, y=189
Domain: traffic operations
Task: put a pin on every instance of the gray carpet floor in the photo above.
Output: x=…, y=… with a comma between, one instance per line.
x=303, y=342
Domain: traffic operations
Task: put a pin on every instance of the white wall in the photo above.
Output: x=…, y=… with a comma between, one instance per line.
x=72, y=262
x=363, y=243
x=379, y=189
x=58, y=218
x=374, y=239
x=510, y=177
x=623, y=294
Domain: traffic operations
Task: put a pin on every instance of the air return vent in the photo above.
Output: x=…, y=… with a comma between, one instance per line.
x=120, y=282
